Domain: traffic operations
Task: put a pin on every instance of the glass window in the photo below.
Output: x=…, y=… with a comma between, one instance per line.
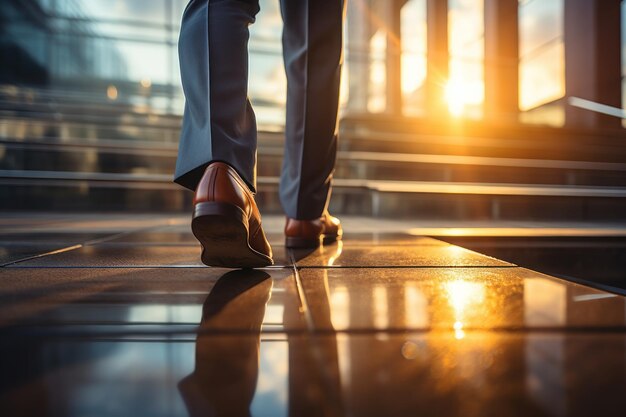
x=465, y=89
x=542, y=60
x=413, y=24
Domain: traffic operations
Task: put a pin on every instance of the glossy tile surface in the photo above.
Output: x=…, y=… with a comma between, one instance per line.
x=455, y=299
x=130, y=255
x=483, y=373
x=13, y=253
x=174, y=235
x=420, y=254
x=131, y=324
x=17, y=246
x=126, y=297
x=50, y=238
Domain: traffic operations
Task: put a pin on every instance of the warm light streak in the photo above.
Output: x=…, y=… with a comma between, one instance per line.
x=460, y=95
x=377, y=22
x=378, y=73
x=462, y=296
x=380, y=307
x=416, y=307
x=334, y=252
x=340, y=311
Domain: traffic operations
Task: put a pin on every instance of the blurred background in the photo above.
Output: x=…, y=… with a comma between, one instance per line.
x=450, y=109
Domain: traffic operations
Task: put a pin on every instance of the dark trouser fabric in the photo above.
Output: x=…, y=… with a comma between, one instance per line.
x=219, y=123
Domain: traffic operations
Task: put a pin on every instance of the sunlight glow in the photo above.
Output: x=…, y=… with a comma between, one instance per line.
x=340, y=312
x=377, y=100
x=416, y=307
x=463, y=296
x=460, y=95
x=458, y=330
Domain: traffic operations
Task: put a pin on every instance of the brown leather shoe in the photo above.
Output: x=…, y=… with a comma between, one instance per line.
x=309, y=233
x=227, y=221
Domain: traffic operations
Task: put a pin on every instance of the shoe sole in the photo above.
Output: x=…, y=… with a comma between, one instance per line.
x=303, y=243
x=222, y=230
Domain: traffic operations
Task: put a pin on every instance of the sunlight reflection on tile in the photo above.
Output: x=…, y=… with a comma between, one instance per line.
x=380, y=308
x=416, y=306
x=274, y=314
x=270, y=396
x=544, y=302
x=545, y=372
x=464, y=296
x=454, y=299
x=165, y=313
x=340, y=312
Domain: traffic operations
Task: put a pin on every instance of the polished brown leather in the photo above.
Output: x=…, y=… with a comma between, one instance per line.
x=222, y=184
x=327, y=226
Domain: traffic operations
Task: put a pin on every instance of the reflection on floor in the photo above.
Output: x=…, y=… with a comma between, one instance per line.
x=115, y=316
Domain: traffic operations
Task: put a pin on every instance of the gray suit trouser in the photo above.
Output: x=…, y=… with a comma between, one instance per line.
x=219, y=123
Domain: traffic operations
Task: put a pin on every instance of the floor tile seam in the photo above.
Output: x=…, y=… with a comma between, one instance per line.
x=41, y=255
x=70, y=323
x=73, y=247
x=145, y=244
x=94, y=242
x=406, y=266
x=275, y=267
x=191, y=339
x=191, y=331
x=10, y=267
x=308, y=317
x=582, y=282
x=31, y=243
x=184, y=338
x=621, y=329
x=34, y=242
x=109, y=244
x=59, y=331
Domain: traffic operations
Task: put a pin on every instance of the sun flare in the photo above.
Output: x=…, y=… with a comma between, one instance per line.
x=460, y=95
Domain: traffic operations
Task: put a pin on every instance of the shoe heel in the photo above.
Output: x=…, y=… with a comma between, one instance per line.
x=225, y=210
x=222, y=229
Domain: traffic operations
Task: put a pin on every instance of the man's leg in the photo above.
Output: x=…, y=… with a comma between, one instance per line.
x=217, y=151
x=312, y=49
x=218, y=124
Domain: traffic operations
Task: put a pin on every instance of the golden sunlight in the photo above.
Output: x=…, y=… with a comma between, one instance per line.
x=461, y=94
x=461, y=296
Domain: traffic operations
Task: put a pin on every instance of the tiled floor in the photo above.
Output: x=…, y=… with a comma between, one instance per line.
x=115, y=316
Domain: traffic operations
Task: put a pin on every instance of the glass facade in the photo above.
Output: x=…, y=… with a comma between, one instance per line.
x=413, y=35
x=542, y=61
x=125, y=51
x=108, y=50
x=465, y=87
x=91, y=99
